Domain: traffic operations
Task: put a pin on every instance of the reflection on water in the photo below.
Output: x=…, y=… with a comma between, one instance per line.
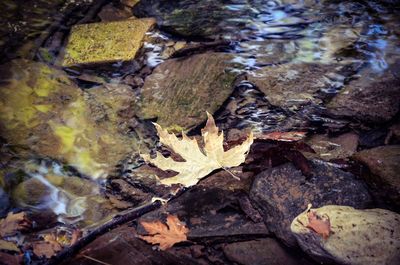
x=342, y=36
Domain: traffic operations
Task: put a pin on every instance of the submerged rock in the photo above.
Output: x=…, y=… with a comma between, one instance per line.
x=180, y=91
x=293, y=85
x=357, y=237
x=47, y=113
x=373, y=98
x=281, y=193
x=384, y=165
x=106, y=42
x=328, y=148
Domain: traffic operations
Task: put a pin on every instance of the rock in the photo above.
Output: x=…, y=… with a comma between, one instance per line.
x=357, y=237
x=211, y=213
x=183, y=17
x=180, y=91
x=282, y=192
x=122, y=247
x=111, y=13
x=373, y=98
x=44, y=111
x=384, y=164
x=109, y=41
x=292, y=85
x=31, y=192
x=328, y=148
x=261, y=252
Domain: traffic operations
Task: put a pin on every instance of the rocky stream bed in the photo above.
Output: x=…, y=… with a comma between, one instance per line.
x=317, y=83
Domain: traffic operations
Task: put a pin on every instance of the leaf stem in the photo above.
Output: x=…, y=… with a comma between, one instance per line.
x=233, y=175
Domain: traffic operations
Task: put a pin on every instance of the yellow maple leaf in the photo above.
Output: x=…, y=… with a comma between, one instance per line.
x=165, y=235
x=199, y=162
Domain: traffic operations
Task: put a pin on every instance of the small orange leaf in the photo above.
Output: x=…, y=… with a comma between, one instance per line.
x=165, y=235
x=319, y=224
x=282, y=136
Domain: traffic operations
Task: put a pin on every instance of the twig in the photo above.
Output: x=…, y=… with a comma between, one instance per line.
x=96, y=260
x=233, y=175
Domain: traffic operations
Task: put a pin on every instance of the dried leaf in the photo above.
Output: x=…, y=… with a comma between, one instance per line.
x=13, y=223
x=48, y=248
x=319, y=224
x=282, y=136
x=165, y=235
x=198, y=162
x=9, y=246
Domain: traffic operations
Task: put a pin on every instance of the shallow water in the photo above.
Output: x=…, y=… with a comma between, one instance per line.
x=348, y=34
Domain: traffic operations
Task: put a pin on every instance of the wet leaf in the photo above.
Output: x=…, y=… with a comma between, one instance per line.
x=165, y=235
x=13, y=223
x=282, y=136
x=319, y=224
x=9, y=246
x=199, y=162
x=47, y=248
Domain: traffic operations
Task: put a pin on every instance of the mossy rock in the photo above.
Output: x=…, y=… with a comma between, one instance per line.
x=44, y=111
x=106, y=42
x=31, y=192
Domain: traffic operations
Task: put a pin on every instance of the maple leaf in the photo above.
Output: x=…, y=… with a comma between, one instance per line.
x=165, y=235
x=319, y=224
x=199, y=162
x=13, y=223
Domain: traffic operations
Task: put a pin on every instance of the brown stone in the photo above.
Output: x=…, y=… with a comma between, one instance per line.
x=180, y=91
x=384, y=164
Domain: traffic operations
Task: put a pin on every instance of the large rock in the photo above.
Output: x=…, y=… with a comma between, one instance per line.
x=384, y=164
x=357, y=237
x=373, y=98
x=291, y=85
x=47, y=113
x=180, y=91
x=266, y=251
x=281, y=193
x=106, y=42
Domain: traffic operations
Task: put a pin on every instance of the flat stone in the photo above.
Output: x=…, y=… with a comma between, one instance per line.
x=210, y=213
x=106, y=42
x=292, y=85
x=357, y=237
x=266, y=251
x=180, y=91
x=328, y=148
x=384, y=164
x=281, y=193
x=122, y=247
x=373, y=98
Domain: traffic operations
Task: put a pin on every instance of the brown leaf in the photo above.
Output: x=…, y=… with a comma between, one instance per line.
x=165, y=235
x=13, y=223
x=319, y=224
x=10, y=259
x=282, y=136
x=48, y=248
